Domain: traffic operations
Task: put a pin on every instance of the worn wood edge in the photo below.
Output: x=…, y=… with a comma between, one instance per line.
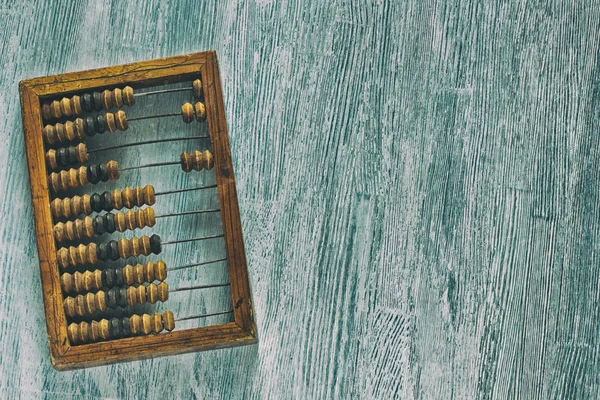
x=230, y=215
x=152, y=346
x=151, y=72
x=56, y=323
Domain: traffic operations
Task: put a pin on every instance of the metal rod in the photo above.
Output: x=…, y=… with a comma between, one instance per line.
x=153, y=116
x=184, y=190
x=147, y=142
x=160, y=164
x=203, y=315
x=162, y=91
x=197, y=264
x=193, y=239
x=187, y=213
x=199, y=287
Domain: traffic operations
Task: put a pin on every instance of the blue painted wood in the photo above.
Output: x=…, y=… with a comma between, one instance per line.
x=418, y=183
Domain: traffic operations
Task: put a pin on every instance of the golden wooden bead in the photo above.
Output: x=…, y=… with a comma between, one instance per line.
x=117, y=98
x=146, y=324
x=65, y=107
x=55, y=109
x=168, y=320
x=82, y=254
x=200, y=111
x=128, y=97
x=49, y=134
x=152, y=293
x=103, y=329
x=71, y=230
x=135, y=325
x=128, y=197
x=121, y=120
x=79, y=128
x=73, y=334
x=112, y=168
x=70, y=132
x=64, y=180
x=157, y=325
x=82, y=153
x=163, y=291
x=69, y=306
x=187, y=111
x=94, y=332
x=148, y=192
x=197, y=161
x=90, y=303
x=84, y=332
x=106, y=97
x=109, y=118
x=198, y=90
x=76, y=104
x=51, y=159
x=139, y=273
x=80, y=306
x=60, y=132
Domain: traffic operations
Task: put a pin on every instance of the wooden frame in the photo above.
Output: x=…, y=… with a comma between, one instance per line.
x=242, y=331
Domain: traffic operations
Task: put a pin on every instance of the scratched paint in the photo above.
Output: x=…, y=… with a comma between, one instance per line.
x=418, y=183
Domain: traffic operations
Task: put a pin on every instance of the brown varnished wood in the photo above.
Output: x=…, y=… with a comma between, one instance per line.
x=141, y=74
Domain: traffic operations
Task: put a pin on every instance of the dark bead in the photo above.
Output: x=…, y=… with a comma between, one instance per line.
x=155, y=244
x=102, y=172
x=97, y=100
x=109, y=223
x=114, y=250
x=107, y=203
x=62, y=158
x=112, y=297
x=102, y=251
x=115, y=328
x=86, y=102
x=99, y=225
x=100, y=123
x=126, y=327
x=72, y=153
x=110, y=277
x=122, y=297
x=104, y=278
x=95, y=200
x=89, y=126
x=119, y=276
x=92, y=174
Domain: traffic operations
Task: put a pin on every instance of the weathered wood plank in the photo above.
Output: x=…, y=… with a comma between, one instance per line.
x=418, y=183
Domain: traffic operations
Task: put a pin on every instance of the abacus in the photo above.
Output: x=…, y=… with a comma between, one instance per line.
x=109, y=295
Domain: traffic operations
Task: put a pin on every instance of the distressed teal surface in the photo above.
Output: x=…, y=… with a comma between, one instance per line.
x=418, y=184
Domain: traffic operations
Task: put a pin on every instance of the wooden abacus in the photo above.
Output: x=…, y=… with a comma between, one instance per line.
x=90, y=305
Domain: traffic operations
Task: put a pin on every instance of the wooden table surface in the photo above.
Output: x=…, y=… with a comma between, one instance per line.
x=418, y=184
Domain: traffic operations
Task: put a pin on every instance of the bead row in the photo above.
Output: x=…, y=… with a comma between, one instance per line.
x=78, y=129
x=126, y=296
x=107, y=201
x=112, y=250
x=197, y=160
x=107, y=223
x=96, y=101
x=191, y=112
x=72, y=178
x=117, y=328
x=66, y=156
x=83, y=282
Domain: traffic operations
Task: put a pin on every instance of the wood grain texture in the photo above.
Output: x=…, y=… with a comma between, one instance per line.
x=418, y=183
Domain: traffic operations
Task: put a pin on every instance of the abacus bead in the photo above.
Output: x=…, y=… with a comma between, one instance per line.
x=110, y=122
x=152, y=293
x=97, y=279
x=102, y=172
x=121, y=120
x=88, y=227
x=149, y=195
x=160, y=271
x=94, y=332
x=99, y=224
x=76, y=104
x=101, y=300
x=168, y=320
x=46, y=113
x=108, y=278
x=187, y=111
x=112, y=168
x=135, y=324
x=89, y=126
x=130, y=219
x=65, y=107
x=66, y=282
x=80, y=128
x=60, y=132
x=59, y=232
x=149, y=272
x=155, y=245
x=145, y=247
x=163, y=291
x=107, y=99
x=128, y=97
x=139, y=196
x=197, y=86
x=107, y=203
x=200, y=112
x=132, y=296
x=71, y=155
x=86, y=102
x=139, y=273
x=55, y=109
x=90, y=303
x=95, y=201
x=56, y=207
x=92, y=253
x=51, y=159
x=73, y=334
x=119, y=276
x=117, y=199
x=124, y=248
x=103, y=251
x=120, y=222
x=157, y=325
x=128, y=275
x=103, y=329
x=109, y=222
x=69, y=306
x=84, y=332
x=62, y=257
x=146, y=324
x=111, y=297
x=127, y=197
x=117, y=98
x=80, y=305
x=97, y=100
x=81, y=153
x=122, y=297
x=70, y=132
x=141, y=294
x=100, y=123
x=186, y=161
x=113, y=250
x=125, y=326
x=49, y=134
x=115, y=328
